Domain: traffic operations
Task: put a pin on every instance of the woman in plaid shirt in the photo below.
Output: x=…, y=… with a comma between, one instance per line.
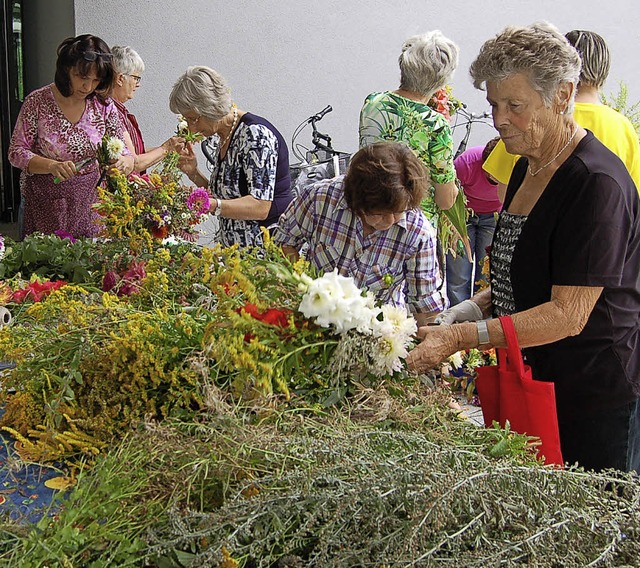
x=368, y=225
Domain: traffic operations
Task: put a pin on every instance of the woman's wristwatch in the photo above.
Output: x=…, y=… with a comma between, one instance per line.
x=483, y=332
x=218, y=210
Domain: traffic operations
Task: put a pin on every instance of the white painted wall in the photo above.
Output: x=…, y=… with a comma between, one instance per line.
x=286, y=60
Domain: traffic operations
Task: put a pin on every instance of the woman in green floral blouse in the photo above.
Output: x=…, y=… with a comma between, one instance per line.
x=427, y=63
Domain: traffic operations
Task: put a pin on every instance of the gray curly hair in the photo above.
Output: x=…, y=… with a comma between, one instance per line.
x=538, y=51
x=427, y=62
x=201, y=89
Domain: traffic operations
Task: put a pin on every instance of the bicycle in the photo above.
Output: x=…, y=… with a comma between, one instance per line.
x=468, y=120
x=319, y=162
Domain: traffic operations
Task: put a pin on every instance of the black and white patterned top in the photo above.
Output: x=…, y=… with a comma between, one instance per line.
x=257, y=164
x=504, y=243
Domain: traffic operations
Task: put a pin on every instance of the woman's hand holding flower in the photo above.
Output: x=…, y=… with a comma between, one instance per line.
x=438, y=343
x=124, y=164
x=62, y=170
x=174, y=144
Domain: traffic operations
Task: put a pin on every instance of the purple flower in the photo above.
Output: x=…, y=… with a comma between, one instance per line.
x=199, y=200
x=64, y=235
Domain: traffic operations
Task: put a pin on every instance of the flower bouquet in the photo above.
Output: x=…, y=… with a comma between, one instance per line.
x=109, y=150
x=186, y=326
x=142, y=208
x=445, y=103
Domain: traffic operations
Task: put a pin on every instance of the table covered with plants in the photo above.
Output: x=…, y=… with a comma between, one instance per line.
x=224, y=407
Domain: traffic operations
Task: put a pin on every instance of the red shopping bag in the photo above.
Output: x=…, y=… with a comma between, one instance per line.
x=507, y=391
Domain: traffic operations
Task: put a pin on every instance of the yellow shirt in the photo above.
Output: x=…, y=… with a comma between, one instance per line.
x=612, y=128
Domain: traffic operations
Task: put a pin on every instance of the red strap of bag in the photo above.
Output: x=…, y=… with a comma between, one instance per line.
x=513, y=360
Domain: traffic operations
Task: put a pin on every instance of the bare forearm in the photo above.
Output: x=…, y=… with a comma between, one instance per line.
x=564, y=316
x=445, y=194
x=197, y=178
x=41, y=165
x=245, y=208
x=150, y=158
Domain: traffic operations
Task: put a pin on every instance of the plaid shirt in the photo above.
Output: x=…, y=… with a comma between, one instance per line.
x=398, y=265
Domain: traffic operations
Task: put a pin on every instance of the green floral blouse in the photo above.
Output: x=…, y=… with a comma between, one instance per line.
x=387, y=116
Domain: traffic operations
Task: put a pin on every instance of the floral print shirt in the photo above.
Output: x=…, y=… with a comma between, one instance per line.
x=42, y=129
x=388, y=116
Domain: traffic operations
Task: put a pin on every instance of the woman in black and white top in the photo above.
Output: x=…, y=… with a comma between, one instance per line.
x=250, y=181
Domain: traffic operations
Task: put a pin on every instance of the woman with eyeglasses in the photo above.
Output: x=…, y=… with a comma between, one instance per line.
x=250, y=179
x=128, y=67
x=55, y=138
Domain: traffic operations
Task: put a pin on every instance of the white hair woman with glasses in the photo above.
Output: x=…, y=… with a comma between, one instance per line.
x=128, y=67
x=55, y=138
x=249, y=180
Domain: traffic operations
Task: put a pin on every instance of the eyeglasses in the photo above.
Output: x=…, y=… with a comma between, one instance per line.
x=136, y=78
x=94, y=55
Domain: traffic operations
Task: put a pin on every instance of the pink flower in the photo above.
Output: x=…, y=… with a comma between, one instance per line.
x=64, y=235
x=199, y=200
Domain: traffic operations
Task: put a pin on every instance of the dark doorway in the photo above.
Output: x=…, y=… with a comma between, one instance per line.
x=11, y=97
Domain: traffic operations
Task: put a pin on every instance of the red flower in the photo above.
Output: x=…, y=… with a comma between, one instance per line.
x=272, y=316
x=36, y=291
x=160, y=232
x=109, y=281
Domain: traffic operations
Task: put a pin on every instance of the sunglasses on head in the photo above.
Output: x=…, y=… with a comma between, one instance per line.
x=94, y=55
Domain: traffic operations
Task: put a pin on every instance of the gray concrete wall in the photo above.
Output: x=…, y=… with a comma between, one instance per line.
x=288, y=59
x=45, y=24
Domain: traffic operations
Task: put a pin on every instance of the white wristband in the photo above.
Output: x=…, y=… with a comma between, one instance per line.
x=218, y=210
x=483, y=332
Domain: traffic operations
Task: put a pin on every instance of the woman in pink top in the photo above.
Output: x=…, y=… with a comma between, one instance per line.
x=483, y=202
x=58, y=129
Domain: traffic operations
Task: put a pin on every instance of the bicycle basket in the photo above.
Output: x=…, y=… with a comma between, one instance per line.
x=305, y=174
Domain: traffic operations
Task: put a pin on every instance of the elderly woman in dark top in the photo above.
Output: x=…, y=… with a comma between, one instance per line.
x=565, y=256
x=250, y=180
x=129, y=67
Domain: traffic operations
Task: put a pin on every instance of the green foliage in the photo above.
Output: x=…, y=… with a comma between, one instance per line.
x=101, y=523
x=620, y=101
x=391, y=479
x=48, y=256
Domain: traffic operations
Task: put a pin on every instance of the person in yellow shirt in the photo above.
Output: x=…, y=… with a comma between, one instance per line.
x=612, y=128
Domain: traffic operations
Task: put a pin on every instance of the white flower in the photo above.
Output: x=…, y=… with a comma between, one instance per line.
x=391, y=350
x=115, y=146
x=400, y=321
x=182, y=124
x=456, y=360
x=1, y=247
x=335, y=300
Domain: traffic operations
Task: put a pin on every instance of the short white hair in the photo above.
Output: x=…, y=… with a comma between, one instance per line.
x=427, y=62
x=126, y=60
x=202, y=90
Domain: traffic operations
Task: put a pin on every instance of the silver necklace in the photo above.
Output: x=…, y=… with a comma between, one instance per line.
x=534, y=174
x=233, y=126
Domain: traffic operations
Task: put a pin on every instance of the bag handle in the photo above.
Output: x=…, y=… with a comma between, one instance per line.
x=514, y=361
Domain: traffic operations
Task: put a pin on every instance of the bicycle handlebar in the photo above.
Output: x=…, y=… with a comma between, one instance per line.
x=317, y=117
